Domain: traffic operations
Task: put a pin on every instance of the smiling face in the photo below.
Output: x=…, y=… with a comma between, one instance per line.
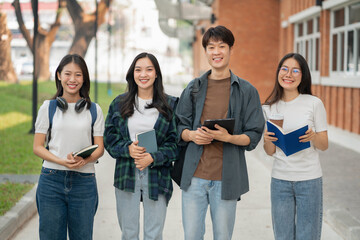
x=71, y=78
x=218, y=54
x=144, y=75
x=289, y=76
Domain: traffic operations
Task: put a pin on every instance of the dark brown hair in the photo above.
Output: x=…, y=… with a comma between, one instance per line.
x=127, y=103
x=85, y=88
x=218, y=33
x=304, y=86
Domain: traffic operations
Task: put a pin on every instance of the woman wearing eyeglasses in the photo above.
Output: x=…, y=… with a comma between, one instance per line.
x=296, y=184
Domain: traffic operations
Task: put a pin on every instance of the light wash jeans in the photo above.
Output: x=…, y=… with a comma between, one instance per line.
x=195, y=201
x=296, y=209
x=128, y=210
x=66, y=200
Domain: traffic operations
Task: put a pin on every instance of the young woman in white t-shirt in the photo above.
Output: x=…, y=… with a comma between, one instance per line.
x=296, y=184
x=67, y=196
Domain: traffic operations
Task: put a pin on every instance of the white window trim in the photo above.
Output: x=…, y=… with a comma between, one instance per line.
x=341, y=81
x=312, y=37
x=343, y=75
x=315, y=77
x=307, y=13
x=336, y=3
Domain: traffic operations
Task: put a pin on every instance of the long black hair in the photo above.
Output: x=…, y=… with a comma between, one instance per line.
x=159, y=101
x=304, y=86
x=85, y=88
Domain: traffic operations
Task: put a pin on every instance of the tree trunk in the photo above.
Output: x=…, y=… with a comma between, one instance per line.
x=84, y=33
x=7, y=72
x=44, y=40
x=84, y=24
x=43, y=44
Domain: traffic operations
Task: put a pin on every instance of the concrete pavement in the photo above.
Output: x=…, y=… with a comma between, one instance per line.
x=253, y=217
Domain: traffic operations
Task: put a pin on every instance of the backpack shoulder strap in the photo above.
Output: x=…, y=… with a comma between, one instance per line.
x=93, y=113
x=52, y=110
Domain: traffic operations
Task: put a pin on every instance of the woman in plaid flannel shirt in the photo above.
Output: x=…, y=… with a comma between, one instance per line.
x=141, y=176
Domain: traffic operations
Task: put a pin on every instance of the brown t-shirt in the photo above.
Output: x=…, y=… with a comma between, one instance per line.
x=215, y=107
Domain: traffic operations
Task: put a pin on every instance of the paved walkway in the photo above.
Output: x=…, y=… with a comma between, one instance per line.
x=253, y=218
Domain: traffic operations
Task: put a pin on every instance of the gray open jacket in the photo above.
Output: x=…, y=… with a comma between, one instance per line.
x=245, y=107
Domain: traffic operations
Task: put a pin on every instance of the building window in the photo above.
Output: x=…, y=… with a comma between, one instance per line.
x=345, y=40
x=307, y=41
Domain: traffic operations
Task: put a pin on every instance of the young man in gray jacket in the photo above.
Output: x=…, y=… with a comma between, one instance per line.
x=214, y=171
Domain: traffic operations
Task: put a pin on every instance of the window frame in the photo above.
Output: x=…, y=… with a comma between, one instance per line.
x=311, y=39
x=343, y=46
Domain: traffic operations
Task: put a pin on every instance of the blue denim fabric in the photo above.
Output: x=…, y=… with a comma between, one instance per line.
x=296, y=209
x=195, y=201
x=128, y=210
x=66, y=200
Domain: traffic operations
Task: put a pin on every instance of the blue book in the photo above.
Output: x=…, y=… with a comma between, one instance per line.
x=288, y=142
x=147, y=140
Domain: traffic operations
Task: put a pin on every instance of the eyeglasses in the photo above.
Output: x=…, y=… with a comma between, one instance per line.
x=294, y=71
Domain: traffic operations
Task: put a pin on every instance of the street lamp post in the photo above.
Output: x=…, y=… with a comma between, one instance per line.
x=109, y=54
x=35, y=7
x=96, y=50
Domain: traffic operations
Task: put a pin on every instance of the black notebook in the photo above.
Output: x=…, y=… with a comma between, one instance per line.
x=85, y=152
x=227, y=123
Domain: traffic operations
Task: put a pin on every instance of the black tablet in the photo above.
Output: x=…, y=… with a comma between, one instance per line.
x=227, y=123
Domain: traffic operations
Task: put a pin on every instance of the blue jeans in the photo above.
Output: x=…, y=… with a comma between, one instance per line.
x=195, y=201
x=66, y=200
x=296, y=209
x=128, y=210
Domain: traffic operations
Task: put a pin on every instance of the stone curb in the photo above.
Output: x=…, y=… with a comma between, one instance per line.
x=14, y=178
x=18, y=215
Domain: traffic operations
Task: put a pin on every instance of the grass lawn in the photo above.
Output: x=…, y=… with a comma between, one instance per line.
x=10, y=193
x=16, y=155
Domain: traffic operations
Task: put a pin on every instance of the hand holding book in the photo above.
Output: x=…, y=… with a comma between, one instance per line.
x=135, y=150
x=291, y=142
x=144, y=161
x=227, y=123
x=147, y=140
x=220, y=129
x=72, y=162
x=309, y=135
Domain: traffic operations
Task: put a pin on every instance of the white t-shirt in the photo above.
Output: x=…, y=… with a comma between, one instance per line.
x=303, y=165
x=143, y=119
x=70, y=132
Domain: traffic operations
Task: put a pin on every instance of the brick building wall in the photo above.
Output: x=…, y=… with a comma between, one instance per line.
x=255, y=25
x=264, y=32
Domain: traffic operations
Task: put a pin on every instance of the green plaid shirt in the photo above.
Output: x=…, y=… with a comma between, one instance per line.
x=117, y=141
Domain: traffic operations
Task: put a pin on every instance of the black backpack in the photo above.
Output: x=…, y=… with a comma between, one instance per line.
x=177, y=168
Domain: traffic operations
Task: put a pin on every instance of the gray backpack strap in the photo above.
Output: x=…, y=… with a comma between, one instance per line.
x=52, y=110
x=93, y=113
